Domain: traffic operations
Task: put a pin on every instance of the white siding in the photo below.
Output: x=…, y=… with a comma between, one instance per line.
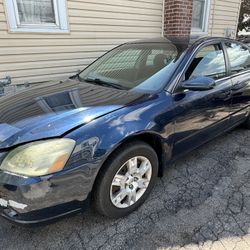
x=95, y=27
x=223, y=14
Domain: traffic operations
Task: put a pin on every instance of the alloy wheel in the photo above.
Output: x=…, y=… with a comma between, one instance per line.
x=130, y=182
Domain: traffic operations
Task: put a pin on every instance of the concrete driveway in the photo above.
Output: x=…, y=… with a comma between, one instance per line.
x=202, y=202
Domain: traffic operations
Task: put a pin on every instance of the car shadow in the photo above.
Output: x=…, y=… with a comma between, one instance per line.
x=201, y=201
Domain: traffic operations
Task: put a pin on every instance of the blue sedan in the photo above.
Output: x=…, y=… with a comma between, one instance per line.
x=103, y=136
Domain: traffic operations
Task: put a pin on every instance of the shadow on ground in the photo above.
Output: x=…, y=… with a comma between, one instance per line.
x=202, y=202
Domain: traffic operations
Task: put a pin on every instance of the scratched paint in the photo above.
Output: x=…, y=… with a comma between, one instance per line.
x=13, y=204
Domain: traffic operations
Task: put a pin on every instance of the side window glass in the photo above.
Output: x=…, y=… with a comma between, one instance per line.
x=239, y=57
x=209, y=62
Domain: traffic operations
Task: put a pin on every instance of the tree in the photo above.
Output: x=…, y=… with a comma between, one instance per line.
x=244, y=18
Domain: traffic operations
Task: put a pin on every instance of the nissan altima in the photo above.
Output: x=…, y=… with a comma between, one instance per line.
x=103, y=136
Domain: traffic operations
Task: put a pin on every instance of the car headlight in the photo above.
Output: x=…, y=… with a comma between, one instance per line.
x=39, y=158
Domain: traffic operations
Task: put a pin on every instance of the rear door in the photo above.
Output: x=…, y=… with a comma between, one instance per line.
x=239, y=61
x=201, y=115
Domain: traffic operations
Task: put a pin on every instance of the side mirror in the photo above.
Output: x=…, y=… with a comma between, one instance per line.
x=200, y=83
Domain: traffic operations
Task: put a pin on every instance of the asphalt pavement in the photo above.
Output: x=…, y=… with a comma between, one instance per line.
x=202, y=202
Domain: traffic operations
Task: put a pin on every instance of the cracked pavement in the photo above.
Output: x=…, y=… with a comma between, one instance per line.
x=202, y=202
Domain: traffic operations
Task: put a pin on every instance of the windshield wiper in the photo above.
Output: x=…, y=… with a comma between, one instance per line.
x=104, y=83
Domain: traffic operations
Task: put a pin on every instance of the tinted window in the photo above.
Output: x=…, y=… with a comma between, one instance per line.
x=135, y=66
x=209, y=62
x=239, y=57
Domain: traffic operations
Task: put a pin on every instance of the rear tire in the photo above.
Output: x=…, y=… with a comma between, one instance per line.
x=126, y=180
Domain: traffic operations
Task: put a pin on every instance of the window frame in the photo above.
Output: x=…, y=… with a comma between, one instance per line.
x=175, y=88
x=229, y=63
x=220, y=46
x=61, y=19
x=205, y=21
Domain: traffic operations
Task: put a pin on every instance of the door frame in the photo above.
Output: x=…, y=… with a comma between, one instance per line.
x=190, y=55
x=226, y=58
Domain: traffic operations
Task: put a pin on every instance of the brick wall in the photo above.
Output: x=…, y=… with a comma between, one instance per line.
x=178, y=17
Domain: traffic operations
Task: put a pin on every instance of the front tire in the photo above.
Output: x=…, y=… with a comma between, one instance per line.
x=126, y=180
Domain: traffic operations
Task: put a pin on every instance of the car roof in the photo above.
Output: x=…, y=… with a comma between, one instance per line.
x=181, y=43
x=180, y=40
x=183, y=40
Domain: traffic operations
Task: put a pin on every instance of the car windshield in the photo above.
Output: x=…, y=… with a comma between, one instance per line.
x=142, y=67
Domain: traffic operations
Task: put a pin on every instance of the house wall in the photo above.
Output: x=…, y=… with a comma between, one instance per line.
x=178, y=17
x=223, y=14
x=95, y=27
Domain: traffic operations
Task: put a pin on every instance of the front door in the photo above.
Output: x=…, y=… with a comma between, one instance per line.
x=202, y=115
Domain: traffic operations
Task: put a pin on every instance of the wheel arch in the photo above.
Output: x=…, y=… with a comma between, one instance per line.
x=152, y=139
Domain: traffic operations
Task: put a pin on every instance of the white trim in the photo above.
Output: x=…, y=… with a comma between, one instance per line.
x=61, y=19
x=56, y=12
x=205, y=21
x=163, y=17
x=16, y=11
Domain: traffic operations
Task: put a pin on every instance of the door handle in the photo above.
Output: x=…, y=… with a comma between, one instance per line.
x=237, y=86
x=226, y=95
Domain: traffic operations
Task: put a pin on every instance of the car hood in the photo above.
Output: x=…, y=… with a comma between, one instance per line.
x=51, y=110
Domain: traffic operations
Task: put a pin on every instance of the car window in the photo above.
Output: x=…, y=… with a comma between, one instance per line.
x=209, y=62
x=140, y=67
x=159, y=54
x=239, y=57
x=152, y=55
x=121, y=61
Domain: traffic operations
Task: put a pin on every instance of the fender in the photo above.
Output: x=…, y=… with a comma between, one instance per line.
x=97, y=140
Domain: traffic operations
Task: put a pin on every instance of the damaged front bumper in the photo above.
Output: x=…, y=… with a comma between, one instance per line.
x=29, y=200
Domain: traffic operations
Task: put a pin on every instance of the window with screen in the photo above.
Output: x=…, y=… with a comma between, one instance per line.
x=239, y=57
x=36, y=12
x=37, y=16
x=200, y=15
